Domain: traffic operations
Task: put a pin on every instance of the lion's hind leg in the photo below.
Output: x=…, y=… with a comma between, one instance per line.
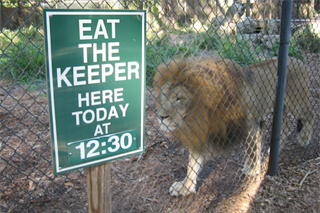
x=188, y=184
x=299, y=106
x=298, y=100
x=304, y=127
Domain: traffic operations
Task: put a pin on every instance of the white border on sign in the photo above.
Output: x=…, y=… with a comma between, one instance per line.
x=51, y=13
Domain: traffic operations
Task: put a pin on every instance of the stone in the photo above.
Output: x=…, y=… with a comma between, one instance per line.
x=247, y=26
x=270, y=40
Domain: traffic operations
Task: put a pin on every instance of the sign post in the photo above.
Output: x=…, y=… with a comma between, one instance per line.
x=95, y=62
x=98, y=188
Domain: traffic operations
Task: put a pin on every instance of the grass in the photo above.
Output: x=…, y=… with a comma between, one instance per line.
x=239, y=50
x=295, y=50
x=22, y=55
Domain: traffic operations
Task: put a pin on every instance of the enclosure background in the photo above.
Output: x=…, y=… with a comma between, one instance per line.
x=141, y=183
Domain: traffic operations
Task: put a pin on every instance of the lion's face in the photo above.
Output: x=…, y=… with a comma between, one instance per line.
x=173, y=104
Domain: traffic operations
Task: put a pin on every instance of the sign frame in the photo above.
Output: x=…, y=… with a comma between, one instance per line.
x=57, y=152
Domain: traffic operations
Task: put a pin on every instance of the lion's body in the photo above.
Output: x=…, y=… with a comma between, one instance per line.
x=261, y=88
x=205, y=103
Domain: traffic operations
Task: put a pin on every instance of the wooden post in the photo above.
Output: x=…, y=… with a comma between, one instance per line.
x=99, y=188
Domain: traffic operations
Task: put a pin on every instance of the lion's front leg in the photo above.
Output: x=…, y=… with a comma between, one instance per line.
x=252, y=163
x=188, y=184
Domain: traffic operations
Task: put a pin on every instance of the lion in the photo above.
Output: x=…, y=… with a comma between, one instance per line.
x=208, y=103
x=199, y=103
x=261, y=90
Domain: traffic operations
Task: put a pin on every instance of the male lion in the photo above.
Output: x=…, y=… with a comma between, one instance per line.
x=199, y=102
x=209, y=102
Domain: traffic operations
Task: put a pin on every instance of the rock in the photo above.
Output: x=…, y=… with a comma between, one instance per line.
x=269, y=40
x=254, y=38
x=219, y=21
x=247, y=26
x=270, y=27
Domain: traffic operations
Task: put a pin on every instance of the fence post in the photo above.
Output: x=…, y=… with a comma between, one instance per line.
x=99, y=188
x=286, y=13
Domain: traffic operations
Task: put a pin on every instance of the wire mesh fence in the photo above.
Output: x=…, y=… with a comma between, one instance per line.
x=210, y=81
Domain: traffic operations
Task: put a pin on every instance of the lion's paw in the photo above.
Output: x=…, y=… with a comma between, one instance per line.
x=181, y=188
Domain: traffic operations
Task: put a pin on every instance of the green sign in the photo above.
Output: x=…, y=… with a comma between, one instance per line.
x=96, y=85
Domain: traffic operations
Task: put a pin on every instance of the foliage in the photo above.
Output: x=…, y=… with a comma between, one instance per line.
x=307, y=39
x=9, y=3
x=295, y=50
x=162, y=49
x=22, y=55
x=22, y=51
x=240, y=50
x=157, y=53
x=236, y=48
x=206, y=40
x=15, y=3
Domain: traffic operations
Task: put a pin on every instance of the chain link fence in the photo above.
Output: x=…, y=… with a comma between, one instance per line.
x=221, y=44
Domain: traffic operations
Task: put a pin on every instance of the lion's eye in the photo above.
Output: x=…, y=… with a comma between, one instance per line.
x=163, y=117
x=179, y=99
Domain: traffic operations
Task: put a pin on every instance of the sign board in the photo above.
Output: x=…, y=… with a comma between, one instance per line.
x=95, y=63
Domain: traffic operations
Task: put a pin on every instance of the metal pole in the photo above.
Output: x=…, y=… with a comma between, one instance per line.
x=286, y=13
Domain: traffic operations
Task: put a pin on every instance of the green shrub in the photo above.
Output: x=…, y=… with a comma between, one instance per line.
x=295, y=50
x=239, y=50
x=9, y=3
x=22, y=55
x=161, y=50
x=307, y=39
x=22, y=51
x=206, y=41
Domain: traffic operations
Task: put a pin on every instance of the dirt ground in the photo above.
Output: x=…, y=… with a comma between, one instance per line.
x=140, y=183
x=295, y=189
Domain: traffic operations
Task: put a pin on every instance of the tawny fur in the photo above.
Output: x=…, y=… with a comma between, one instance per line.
x=260, y=94
x=212, y=101
x=209, y=102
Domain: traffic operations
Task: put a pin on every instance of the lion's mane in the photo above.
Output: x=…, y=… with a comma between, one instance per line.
x=215, y=111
